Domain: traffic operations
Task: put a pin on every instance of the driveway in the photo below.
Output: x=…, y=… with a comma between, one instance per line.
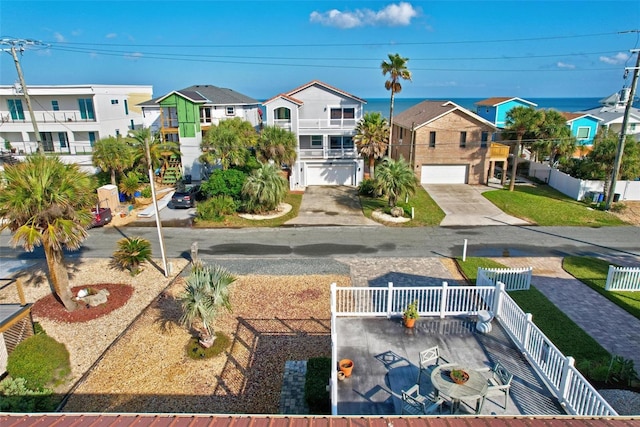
x=464, y=205
x=331, y=205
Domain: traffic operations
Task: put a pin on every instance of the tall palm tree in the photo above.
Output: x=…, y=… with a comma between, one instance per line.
x=159, y=151
x=395, y=178
x=277, y=144
x=114, y=155
x=228, y=143
x=520, y=121
x=46, y=202
x=264, y=189
x=555, y=135
x=372, y=137
x=206, y=290
x=397, y=69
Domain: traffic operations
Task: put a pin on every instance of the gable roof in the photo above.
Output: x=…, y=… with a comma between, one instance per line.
x=427, y=111
x=283, y=96
x=574, y=116
x=495, y=101
x=209, y=94
x=613, y=115
x=326, y=86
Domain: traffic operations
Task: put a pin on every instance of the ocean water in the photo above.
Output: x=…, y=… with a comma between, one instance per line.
x=571, y=105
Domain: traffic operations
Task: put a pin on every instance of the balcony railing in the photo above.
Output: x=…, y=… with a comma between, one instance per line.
x=499, y=151
x=50, y=117
x=322, y=153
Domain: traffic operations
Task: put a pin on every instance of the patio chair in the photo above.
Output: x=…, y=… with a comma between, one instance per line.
x=429, y=359
x=499, y=382
x=413, y=403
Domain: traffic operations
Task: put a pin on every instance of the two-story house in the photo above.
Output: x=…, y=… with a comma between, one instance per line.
x=495, y=109
x=185, y=115
x=324, y=118
x=583, y=126
x=70, y=118
x=611, y=112
x=447, y=144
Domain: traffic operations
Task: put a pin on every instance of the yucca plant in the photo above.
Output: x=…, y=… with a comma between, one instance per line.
x=132, y=253
x=206, y=290
x=264, y=189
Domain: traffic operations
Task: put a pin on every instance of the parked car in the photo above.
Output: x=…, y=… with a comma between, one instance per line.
x=185, y=197
x=101, y=216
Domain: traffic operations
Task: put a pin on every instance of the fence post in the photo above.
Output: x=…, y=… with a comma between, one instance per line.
x=497, y=299
x=389, y=300
x=565, y=381
x=607, y=285
x=527, y=333
x=443, y=300
x=333, y=298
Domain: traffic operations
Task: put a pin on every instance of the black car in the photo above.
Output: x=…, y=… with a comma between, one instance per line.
x=185, y=197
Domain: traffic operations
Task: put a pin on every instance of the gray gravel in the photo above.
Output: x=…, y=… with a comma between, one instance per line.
x=280, y=267
x=625, y=402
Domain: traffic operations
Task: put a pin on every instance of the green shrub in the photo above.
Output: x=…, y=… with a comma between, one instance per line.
x=224, y=183
x=196, y=351
x=216, y=208
x=146, y=191
x=315, y=386
x=17, y=397
x=129, y=183
x=38, y=329
x=367, y=188
x=618, y=207
x=132, y=253
x=264, y=189
x=40, y=360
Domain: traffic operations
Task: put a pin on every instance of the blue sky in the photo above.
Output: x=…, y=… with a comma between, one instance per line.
x=262, y=48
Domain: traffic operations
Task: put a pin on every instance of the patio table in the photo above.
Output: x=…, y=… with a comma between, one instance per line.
x=475, y=387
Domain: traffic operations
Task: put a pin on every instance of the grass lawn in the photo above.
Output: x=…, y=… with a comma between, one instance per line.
x=470, y=267
x=543, y=205
x=426, y=211
x=234, y=221
x=593, y=273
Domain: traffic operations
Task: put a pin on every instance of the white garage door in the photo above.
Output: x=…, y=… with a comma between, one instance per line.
x=444, y=174
x=330, y=175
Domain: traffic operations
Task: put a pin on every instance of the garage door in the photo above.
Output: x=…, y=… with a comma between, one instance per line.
x=330, y=175
x=444, y=174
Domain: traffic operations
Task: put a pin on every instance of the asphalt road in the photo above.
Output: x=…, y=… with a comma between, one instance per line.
x=332, y=242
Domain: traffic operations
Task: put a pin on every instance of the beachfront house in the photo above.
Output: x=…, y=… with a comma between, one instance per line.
x=324, y=119
x=611, y=112
x=495, y=109
x=185, y=115
x=447, y=144
x=583, y=126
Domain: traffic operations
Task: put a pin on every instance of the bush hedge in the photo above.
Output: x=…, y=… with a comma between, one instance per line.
x=315, y=386
x=40, y=360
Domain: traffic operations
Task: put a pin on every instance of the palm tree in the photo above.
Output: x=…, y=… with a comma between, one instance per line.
x=206, y=289
x=228, y=143
x=47, y=203
x=556, y=136
x=277, y=144
x=264, y=189
x=159, y=151
x=395, y=178
x=521, y=120
x=372, y=133
x=132, y=253
x=114, y=155
x=397, y=69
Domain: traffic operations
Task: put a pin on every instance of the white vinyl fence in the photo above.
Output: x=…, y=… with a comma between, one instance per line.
x=573, y=391
x=623, y=279
x=514, y=279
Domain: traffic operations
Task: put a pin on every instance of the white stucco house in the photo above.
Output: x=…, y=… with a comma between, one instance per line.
x=611, y=113
x=324, y=119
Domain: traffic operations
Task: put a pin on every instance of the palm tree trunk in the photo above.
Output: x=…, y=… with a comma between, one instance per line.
x=372, y=165
x=113, y=177
x=59, y=277
x=390, y=123
x=514, y=167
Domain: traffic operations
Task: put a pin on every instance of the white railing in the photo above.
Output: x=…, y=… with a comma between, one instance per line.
x=320, y=153
x=327, y=124
x=51, y=117
x=515, y=279
x=623, y=279
x=572, y=390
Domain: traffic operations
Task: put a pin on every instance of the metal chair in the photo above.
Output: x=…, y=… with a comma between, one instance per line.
x=499, y=382
x=429, y=359
x=414, y=403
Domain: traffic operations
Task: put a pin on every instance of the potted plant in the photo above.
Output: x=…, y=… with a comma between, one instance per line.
x=459, y=376
x=411, y=314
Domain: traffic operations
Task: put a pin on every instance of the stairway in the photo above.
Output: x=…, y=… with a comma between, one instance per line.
x=173, y=172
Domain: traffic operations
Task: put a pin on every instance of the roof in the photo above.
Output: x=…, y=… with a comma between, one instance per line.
x=178, y=420
x=612, y=114
x=289, y=95
x=574, y=116
x=428, y=111
x=495, y=101
x=209, y=94
x=283, y=96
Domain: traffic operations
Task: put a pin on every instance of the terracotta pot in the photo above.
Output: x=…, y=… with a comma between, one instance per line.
x=409, y=323
x=346, y=366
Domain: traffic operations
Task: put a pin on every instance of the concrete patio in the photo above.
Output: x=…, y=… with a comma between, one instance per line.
x=386, y=360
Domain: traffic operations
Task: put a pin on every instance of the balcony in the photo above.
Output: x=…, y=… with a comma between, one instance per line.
x=49, y=117
x=325, y=153
x=498, y=151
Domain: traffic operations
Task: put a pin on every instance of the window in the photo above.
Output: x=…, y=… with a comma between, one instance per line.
x=15, y=108
x=47, y=141
x=86, y=109
x=231, y=111
x=92, y=138
x=62, y=136
x=205, y=114
x=55, y=106
x=583, y=132
x=484, y=137
x=463, y=139
x=401, y=134
x=126, y=108
x=336, y=113
x=341, y=143
x=316, y=140
x=282, y=113
x=349, y=113
x=432, y=139
x=132, y=125
x=632, y=127
x=117, y=133
x=114, y=102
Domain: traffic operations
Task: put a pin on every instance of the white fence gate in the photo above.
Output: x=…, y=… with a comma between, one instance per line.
x=623, y=279
x=514, y=279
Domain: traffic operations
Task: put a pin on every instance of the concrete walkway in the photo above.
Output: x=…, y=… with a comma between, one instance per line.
x=611, y=326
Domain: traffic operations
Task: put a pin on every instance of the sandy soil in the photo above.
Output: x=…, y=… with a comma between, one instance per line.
x=631, y=213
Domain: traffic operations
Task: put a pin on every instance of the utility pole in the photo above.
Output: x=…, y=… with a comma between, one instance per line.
x=20, y=44
x=623, y=131
x=155, y=207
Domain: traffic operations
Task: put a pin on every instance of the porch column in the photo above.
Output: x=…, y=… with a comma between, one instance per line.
x=492, y=169
x=503, y=180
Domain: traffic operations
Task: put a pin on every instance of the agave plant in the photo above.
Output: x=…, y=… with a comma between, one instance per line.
x=132, y=253
x=206, y=290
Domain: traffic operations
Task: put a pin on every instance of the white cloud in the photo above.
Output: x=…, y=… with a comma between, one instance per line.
x=59, y=37
x=393, y=15
x=134, y=56
x=565, y=65
x=111, y=36
x=618, y=58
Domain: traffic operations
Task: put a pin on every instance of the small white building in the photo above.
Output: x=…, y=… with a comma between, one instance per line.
x=324, y=119
x=70, y=118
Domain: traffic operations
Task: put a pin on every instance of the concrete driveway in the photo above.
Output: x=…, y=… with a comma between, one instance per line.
x=464, y=205
x=331, y=205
